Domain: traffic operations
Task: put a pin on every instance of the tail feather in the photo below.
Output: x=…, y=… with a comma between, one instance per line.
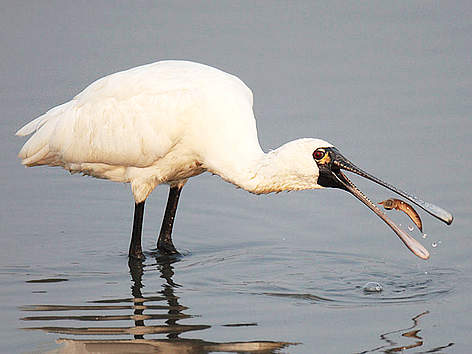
x=32, y=126
x=38, y=158
x=36, y=150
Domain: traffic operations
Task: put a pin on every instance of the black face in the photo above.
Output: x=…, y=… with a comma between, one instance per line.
x=324, y=158
x=330, y=162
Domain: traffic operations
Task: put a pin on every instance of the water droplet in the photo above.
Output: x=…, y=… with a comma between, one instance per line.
x=410, y=227
x=372, y=287
x=425, y=235
x=436, y=244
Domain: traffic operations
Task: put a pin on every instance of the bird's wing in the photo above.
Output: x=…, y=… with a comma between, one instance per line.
x=129, y=118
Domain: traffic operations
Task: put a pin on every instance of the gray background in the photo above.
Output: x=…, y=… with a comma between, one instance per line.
x=389, y=83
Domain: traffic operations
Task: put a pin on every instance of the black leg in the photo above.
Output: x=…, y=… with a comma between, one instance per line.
x=135, y=249
x=164, y=243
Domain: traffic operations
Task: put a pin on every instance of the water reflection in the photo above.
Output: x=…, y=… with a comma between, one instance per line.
x=412, y=333
x=145, y=310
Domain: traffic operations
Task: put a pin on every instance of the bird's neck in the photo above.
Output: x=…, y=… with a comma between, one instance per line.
x=263, y=173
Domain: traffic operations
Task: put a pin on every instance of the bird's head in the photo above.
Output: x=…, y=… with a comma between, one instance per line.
x=329, y=165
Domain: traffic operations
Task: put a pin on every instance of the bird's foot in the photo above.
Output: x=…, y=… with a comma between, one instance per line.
x=167, y=248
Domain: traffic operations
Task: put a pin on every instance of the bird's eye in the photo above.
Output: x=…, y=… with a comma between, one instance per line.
x=318, y=154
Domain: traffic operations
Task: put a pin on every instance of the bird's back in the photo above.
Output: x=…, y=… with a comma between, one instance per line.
x=134, y=118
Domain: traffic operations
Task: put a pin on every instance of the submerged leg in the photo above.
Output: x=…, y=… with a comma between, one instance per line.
x=135, y=249
x=164, y=243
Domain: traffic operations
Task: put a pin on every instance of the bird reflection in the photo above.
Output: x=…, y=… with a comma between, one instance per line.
x=174, y=309
x=136, y=271
x=410, y=332
x=145, y=311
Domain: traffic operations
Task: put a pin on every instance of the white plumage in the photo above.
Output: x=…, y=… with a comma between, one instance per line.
x=161, y=123
x=168, y=121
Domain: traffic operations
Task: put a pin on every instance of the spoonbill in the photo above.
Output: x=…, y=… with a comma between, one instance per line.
x=165, y=122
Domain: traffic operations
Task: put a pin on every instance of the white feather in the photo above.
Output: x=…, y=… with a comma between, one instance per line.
x=163, y=123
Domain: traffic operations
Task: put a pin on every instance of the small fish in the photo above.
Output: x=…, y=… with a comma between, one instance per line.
x=398, y=204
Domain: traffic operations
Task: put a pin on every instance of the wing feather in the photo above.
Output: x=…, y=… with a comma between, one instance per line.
x=128, y=119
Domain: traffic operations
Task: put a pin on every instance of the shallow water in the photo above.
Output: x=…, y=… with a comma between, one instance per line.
x=388, y=85
x=256, y=297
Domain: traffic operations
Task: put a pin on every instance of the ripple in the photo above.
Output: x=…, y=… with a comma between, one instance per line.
x=47, y=280
x=372, y=287
x=141, y=315
x=328, y=278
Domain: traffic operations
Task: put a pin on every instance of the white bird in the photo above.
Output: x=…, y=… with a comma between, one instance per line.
x=165, y=122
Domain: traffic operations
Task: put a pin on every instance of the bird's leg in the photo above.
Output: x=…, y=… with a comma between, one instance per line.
x=164, y=243
x=135, y=249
